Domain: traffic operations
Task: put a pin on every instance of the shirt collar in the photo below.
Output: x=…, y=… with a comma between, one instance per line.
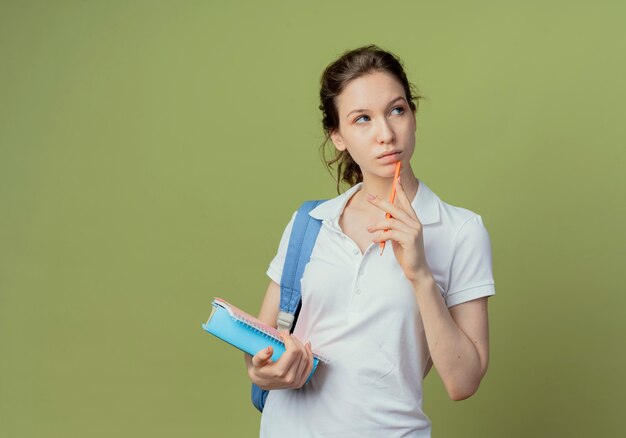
x=425, y=204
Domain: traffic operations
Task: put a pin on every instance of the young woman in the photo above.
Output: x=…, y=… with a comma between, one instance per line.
x=383, y=320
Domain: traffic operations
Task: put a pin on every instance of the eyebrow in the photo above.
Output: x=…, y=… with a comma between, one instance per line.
x=388, y=105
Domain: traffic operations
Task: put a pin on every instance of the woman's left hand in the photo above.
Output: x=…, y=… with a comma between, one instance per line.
x=404, y=232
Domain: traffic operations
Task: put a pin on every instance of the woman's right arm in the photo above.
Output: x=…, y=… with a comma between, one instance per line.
x=293, y=367
x=271, y=303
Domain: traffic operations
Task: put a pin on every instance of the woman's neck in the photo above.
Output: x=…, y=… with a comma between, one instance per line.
x=381, y=187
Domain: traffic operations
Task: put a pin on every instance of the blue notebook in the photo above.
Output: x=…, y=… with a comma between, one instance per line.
x=247, y=333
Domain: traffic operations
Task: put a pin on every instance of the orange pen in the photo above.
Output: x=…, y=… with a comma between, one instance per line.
x=392, y=198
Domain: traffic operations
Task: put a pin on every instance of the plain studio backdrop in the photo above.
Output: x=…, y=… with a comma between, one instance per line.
x=151, y=153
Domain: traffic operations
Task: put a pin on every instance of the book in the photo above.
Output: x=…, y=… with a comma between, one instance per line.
x=247, y=333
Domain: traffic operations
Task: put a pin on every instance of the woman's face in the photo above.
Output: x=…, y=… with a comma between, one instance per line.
x=376, y=125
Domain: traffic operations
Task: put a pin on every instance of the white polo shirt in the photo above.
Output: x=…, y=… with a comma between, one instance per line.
x=361, y=311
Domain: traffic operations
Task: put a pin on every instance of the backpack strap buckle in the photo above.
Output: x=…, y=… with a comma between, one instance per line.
x=284, y=321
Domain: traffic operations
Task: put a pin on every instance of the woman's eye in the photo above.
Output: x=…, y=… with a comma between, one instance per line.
x=399, y=109
x=361, y=119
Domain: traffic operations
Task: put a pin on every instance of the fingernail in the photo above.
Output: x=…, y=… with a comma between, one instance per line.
x=269, y=350
x=370, y=196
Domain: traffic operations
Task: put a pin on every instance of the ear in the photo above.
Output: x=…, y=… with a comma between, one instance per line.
x=338, y=141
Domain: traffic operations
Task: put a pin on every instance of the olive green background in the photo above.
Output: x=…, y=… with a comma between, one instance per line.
x=151, y=153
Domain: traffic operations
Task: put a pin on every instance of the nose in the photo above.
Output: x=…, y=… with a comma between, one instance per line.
x=385, y=134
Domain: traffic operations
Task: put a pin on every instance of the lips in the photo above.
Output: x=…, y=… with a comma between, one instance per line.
x=386, y=154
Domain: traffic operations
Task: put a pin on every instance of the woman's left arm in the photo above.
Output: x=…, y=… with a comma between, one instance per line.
x=458, y=337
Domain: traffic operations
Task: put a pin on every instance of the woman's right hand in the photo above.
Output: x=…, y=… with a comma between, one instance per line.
x=291, y=370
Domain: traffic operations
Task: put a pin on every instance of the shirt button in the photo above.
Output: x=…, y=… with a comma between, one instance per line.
x=356, y=251
x=358, y=291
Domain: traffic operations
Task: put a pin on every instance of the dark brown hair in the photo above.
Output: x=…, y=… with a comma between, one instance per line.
x=349, y=66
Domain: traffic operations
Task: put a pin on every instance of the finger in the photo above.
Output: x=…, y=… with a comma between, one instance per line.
x=302, y=366
x=391, y=235
x=309, y=363
x=291, y=342
x=293, y=351
x=394, y=210
x=262, y=358
x=390, y=224
x=298, y=362
x=403, y=200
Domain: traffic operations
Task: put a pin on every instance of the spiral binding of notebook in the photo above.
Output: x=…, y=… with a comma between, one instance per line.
x=245, y=318
x=246, y=332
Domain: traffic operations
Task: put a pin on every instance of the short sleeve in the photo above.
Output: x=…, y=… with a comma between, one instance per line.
x=471, y=274
x=275, y=270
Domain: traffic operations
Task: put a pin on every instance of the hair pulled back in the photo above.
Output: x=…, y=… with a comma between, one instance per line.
x=349, y=66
